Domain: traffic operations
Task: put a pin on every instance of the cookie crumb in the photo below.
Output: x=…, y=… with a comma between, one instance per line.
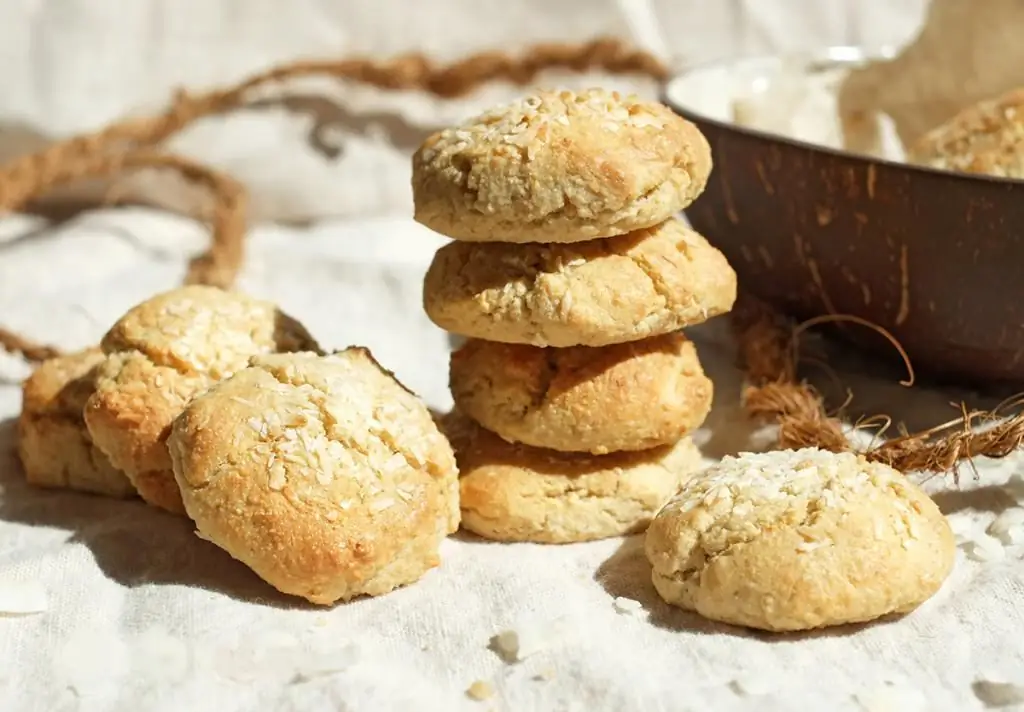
x=627, y=606
x=516, y=644
x=480, y=690
x=994, y=694
x=506, y=644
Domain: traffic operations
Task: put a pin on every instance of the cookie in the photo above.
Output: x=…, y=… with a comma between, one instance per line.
x=631, y=396
x=987, y=138
x=595, y=293
x=517, y=493
x=160, y=355
x=796, y=540
x=559, y=167
x=321, y=473
x=54, y=446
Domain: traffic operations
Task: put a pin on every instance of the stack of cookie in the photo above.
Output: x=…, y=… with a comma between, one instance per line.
x=571, y=278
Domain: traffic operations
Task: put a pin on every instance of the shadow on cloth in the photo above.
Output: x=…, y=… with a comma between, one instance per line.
x=331, y=118
x=132, y=543
x=987, y=498
x=867, y=384
x=627, y=573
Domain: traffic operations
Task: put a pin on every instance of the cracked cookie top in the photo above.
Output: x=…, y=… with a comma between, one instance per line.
x=630, y=396
x=322, y=473
x=594, y=293
x=515, y=492
x=559, y=166
x=206, y=331
x=791, y=540
x=163, y=352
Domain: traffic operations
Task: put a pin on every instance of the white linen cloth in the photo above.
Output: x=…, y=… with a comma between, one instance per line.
x=143, y=615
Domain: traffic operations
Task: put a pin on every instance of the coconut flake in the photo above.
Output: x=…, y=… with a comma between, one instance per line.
x=892, y=697
x=22, y=598
x=627, y=606
x=985, y=548
x=325, y=661
x=526, y=639
x=1008, y=527
x=480, y=690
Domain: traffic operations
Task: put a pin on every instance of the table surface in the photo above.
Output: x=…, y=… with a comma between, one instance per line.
x=143, y=615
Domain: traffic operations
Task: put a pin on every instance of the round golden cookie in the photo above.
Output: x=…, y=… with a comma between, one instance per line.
x=595, y=293
x=631, y=396
x=54, y=445
x=796, y=540
x=161, y=354
x=559, y=167
x=321, y=473
x=517, y=493
x=987, y=138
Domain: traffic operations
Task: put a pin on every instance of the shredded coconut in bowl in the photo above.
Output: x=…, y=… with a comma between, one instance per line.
x=22, y=598
x=787, y=97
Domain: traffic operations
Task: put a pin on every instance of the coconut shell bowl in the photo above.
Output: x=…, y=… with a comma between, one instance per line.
x=934, y=257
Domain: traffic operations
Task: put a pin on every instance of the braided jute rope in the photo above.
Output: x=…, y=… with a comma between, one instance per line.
x=30, y=176
x=767, y=351
x=125, y=145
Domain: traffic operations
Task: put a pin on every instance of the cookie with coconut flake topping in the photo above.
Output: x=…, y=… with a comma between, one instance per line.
x=160, y=355
x=559, y=166
x=796, y=540
x=53, y=443
x=321, y=473
x=594, y=293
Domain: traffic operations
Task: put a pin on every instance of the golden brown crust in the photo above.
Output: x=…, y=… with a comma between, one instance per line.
x=559, y=167
x=160, y=355
x=321, y=473
x=595, y=293
x=517, y=493
x=795, y=540
x=129, y=416
x=53, y=444
x=987, y=138
x=631, y=396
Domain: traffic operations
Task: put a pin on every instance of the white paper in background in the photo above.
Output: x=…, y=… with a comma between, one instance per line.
x=139, y=614
x=73, y=65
